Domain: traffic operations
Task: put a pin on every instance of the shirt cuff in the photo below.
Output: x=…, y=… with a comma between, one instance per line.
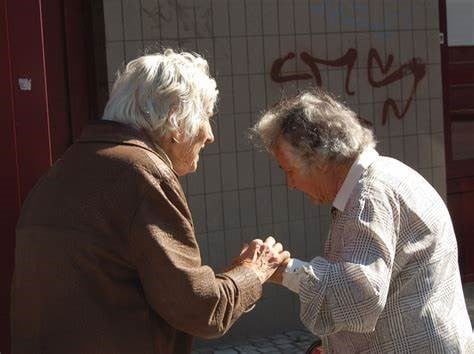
x=295, y=270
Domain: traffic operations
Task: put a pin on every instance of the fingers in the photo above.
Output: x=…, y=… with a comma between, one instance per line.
x=278, y=247
x=270, y=241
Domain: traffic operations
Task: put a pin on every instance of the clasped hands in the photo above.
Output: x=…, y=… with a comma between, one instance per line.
x=266, y=258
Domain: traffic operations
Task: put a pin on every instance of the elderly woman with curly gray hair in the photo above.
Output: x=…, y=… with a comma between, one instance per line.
x=389, y=280
x=106, y=256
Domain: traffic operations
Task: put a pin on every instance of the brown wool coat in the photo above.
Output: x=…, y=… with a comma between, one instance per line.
x=107, y=260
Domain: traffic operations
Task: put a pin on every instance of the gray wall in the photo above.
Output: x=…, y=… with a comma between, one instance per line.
x=238, y=193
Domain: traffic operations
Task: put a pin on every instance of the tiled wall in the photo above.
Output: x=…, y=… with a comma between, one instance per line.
x=238, y=193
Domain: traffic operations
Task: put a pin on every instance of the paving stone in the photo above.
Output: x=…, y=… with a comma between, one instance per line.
x=226, y=351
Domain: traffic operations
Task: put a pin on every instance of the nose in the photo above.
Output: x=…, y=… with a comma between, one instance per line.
x=209, y=134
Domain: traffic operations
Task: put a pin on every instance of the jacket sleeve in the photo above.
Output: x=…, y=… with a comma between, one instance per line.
x=349, y=293
x=187, y=294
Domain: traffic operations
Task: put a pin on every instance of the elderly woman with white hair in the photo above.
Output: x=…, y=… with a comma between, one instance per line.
x=106, y=256
x=388, y=281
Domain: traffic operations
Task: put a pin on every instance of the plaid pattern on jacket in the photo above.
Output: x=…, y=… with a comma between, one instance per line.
x=389, y=281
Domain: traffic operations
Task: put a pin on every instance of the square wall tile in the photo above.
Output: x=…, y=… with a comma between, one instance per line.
x=241, y=94
x=186, y=18
x=133, y=50
x=396, y=148
x=231, y=209
x=279, y=204
x=271, y=47
x=150, y=14
x=288, y=45
x=168, y=19
x=261, y=168
x=405, y=21
x=434, y=47
x=376, y=15
x=317, y=9
x=258, y=99
x=390, y=14
x=423, y=116
x=333, y=15
x=297, y=239
x=217, y=259
x=420, y=45
x=362, y=17
x=242, y=125
x=248, y=214
x=245, y=169
x=410, y=147
x=195, y=181
x=432, y=14
x=302, y=16
x=286, y=17
x=255, y=55
x=233, y=244
x=438, y=150
x=212, y=172
x=436, y=109
x=226, y=133
x=254, y=17
x=204, y=25
x=214, y=213
x=424, y=151
x=222, y=58
x=113, y=28
x=264, y=206
x=295, y=205
x=132, y=21
x=229, y=171
x=270, y=16
x=237, y=18
x=419, y=14
x=434, y=74
x=348, y=22
x=115, y=58
x=239, y=55
x=220, y=18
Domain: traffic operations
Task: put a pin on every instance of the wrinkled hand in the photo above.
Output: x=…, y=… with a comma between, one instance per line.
x=263, y=257
x=277, y=276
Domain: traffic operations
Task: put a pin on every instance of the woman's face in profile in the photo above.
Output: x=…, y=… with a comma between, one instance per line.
x=185, y=155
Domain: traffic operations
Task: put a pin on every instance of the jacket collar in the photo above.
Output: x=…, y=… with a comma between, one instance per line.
x=363, y=161
x=106, y=131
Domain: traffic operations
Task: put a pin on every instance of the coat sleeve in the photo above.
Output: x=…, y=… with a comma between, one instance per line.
x=350, y=293
x=185, y=293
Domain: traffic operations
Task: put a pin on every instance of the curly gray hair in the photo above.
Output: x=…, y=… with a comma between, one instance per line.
x=163, y=92
x=318, y=128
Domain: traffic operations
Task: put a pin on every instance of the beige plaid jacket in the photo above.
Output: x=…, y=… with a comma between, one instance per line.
x=389, y=281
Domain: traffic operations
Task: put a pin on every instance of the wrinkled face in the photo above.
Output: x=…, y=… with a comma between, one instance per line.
x=317, y=184
x=185, y=155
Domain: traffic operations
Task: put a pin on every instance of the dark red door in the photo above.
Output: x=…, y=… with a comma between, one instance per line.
x=458, y=96
x=51, y=62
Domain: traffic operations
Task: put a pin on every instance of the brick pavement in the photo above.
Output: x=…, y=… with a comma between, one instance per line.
x=291, y=342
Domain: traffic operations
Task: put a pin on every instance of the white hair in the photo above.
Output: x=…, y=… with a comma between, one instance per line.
x=162, y=93
x=318, y=128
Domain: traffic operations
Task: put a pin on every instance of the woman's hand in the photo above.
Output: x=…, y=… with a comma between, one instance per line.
x=264, y=257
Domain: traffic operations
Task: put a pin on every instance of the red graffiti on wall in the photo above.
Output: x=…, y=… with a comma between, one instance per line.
x=414, y=67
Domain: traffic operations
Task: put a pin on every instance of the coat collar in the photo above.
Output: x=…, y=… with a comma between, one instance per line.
x=106, y=131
